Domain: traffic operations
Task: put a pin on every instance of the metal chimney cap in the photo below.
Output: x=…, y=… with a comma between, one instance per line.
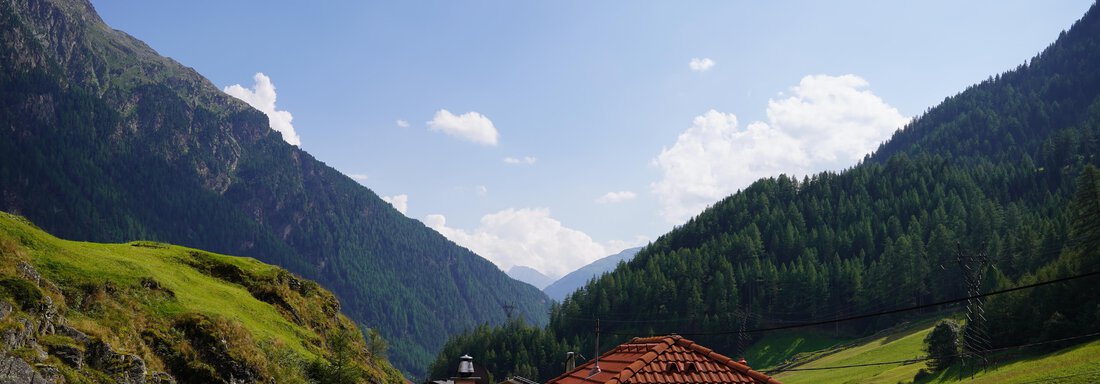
x=466, y=366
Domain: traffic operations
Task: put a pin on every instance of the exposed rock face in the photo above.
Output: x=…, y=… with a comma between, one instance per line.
x=70, y=355
x=125, y=369
x=17, y=337
x=161, y=378
x=50, y=373
x=72, y=333
x=15, y=370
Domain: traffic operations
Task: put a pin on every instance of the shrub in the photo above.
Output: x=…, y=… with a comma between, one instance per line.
x=24, y=292
x=943, y=344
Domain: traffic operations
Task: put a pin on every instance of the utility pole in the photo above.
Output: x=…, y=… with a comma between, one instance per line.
x=976, y=343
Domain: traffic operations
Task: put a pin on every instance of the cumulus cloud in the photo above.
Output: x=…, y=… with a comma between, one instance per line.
x=262, y=97
x=399, y=202
x=402, y=123
x=701, y=65
x=360, y=177
x=616, y=197
x=526, y=160
x=827, y=123
x=470, y=126
x=529, y=237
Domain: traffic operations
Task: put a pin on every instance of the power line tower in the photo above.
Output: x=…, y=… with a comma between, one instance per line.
x=508, y=309
x=743, y=339
x=976, y=343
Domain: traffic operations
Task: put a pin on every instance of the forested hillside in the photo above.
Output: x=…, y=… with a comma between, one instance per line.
x=105, y=140
x=1004, y=167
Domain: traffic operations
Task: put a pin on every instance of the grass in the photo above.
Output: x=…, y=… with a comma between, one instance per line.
x=774, y=350
x=124, y=266
x=905, y=343
x=178, y=308
x=1075, y=364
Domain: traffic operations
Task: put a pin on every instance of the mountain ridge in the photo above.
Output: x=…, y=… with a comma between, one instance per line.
x=1005, y=168
x=578, y=278
x=530, y=276
x=113, y=142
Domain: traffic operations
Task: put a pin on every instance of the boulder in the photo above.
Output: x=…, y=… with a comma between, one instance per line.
x=72, y=333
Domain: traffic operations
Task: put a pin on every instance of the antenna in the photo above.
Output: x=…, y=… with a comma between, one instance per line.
x=596, y=367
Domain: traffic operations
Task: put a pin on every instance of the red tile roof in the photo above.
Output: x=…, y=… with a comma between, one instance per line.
x=663, y=360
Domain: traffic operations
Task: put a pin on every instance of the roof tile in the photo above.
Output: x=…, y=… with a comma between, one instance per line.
x=663, y=360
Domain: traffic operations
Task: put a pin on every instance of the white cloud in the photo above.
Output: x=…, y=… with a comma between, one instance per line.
x=616, y=197
x=526, y=160
x=399, y=202
x=262, y=97
x=360, y=177
x=471, y=126
x=701, y=65
x=402, y=123
x=481, y=190
x=529, y=237
x=827, y=123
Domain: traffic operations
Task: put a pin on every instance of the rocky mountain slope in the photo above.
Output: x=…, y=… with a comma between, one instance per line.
x=105, y=140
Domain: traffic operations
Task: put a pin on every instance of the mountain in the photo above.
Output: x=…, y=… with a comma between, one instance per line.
x=1005, y=168
x=105, y=140
x=530, y=276
x=993, y=169
x=150, y=312
x=576, y=279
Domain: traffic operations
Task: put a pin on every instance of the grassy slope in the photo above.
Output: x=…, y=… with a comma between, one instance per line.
x=774, y=350
x=127, y=267
x=1077, y=364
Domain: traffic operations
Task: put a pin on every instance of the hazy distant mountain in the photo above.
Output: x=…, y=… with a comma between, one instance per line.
x=530, y=276
x=576, y=279
x=105, y=140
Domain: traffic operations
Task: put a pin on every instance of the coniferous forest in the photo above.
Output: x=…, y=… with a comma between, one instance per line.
x=1006, y=167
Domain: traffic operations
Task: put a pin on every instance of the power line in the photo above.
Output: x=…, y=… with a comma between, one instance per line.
x=896, y=362
x=888, y=312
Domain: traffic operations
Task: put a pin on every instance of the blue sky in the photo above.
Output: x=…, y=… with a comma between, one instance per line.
x=549, y=134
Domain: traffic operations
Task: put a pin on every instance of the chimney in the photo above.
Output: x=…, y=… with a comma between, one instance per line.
x=465, y=371
x=570, y=361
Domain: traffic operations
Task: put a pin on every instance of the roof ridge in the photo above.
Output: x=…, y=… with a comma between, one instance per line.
x=661, y=345
x=647, y=351
x=725, y=360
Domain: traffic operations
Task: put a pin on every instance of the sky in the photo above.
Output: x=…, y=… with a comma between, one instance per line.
x=551, y=134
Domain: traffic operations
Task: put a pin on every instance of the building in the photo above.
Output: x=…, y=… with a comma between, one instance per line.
x=662, y=360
